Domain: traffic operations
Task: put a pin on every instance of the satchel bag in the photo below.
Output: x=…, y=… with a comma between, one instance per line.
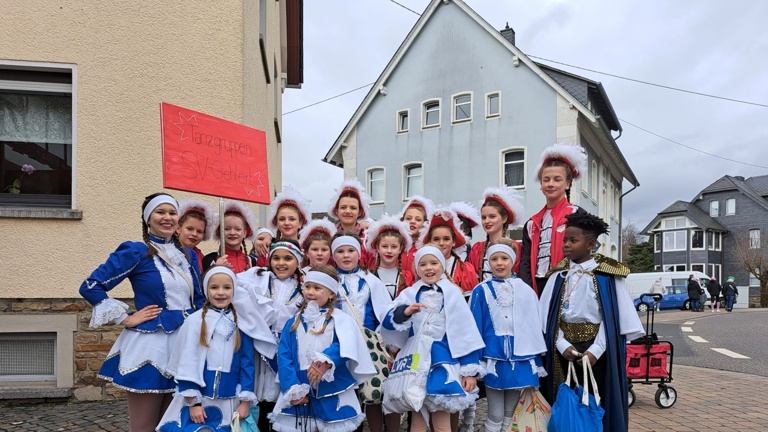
x=532, y=412
x=406, y=387
x=370, y=392
x=575, y=410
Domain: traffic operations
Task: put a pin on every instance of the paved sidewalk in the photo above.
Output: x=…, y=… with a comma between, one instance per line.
x=707, y=400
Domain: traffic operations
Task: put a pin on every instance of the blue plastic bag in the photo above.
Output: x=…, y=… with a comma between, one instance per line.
x=575, y=410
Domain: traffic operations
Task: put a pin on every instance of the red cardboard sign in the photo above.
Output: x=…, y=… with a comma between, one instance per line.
x=213, y=156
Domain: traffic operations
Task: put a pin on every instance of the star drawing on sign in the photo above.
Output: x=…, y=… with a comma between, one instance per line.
x=186, y=124
x=257, y=177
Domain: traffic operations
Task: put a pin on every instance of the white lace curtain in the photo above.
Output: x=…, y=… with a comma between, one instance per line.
x=36, y=118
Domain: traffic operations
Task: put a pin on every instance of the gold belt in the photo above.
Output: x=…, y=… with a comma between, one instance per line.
x=579, y=332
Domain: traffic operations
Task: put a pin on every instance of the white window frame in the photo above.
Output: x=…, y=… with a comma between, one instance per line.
x=714, y=207
x=454, y=105
x=703, y=240
x=504, y=151
x=733, y=201
x=658, y=240
x=585, y=185
x=383, y=180
x=488, y=114
x=703, y=267
x=52, y=88
x=595, y=181
x=675, y=267
x=717, y=270
x=407, y=112
x=676, y=247
x=754, y=241
x=714, y=245
x=406, y=167
x=424, y=113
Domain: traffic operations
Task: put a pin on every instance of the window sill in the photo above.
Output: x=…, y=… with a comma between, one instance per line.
x=460, y=122
x=494, y=116
x=40, y=213
x=377, y=203
x=402, y=132
x=437, y=126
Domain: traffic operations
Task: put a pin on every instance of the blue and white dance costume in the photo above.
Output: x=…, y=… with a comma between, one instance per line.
x=333, y=404
x=264, y=299
x=507, y=313
x=216, y=376
x=139, y=357
x=363, y=289
x=455, y=348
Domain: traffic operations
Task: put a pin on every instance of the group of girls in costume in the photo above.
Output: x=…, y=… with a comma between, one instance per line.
x=281, y=326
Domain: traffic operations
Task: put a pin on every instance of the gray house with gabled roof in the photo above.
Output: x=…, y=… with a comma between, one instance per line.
x=702, y=235
x=459, y=108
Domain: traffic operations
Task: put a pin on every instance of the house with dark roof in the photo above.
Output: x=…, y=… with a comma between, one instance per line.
x=704, y=234
x=460, y=107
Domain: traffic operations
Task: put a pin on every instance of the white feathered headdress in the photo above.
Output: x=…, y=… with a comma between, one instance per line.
x=292, y=197
x=251, y=222
x=423, y=203
x=573, y=155
x=314, y=226
x=354, y=186
x=444, y=216
x=510, y=199
x=191, y=205
x=386, y=223
x=467, y=211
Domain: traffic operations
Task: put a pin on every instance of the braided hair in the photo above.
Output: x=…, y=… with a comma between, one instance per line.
x=330, y=271
x=204, y=326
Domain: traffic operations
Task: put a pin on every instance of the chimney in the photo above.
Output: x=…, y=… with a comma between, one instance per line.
x=509, y=34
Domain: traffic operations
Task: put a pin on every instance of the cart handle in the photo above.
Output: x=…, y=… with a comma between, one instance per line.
x=655, y=296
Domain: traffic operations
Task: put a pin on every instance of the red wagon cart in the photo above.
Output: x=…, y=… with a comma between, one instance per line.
x=649, y=361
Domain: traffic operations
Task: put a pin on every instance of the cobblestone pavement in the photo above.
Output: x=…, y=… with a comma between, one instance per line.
x=707, y=400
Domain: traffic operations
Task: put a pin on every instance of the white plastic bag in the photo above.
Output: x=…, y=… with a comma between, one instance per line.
x=406, y=386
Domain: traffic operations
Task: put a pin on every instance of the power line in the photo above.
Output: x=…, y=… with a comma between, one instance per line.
x=405, y=7
x=691, y=148
x=330, y=98
x=652, y=84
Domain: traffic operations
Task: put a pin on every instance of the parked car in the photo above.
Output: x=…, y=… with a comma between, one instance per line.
x=675, y=297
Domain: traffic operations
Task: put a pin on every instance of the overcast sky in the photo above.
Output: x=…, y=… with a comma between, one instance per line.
x=708, y=46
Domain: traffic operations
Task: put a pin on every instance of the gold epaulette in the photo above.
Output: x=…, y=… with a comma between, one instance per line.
x=562, y=265
x=604, y=265
x=610, y=266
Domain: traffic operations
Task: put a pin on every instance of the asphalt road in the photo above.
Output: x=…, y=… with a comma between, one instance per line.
x=696, y=336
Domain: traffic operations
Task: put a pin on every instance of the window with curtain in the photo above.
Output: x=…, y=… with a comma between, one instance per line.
x=514, y=168
x=35, y=141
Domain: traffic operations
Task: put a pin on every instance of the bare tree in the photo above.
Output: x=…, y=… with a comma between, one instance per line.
x=630, y=236
x=752, y=257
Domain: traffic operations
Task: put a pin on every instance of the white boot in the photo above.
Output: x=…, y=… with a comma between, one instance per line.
x=491, y=426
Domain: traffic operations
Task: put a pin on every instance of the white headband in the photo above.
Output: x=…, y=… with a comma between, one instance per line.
x=290, y=247
x=217, y=270
x=322, y=279
x=155, y=202
x=345, y=241
x=428, y=250
x=264, y=230
x=500, y=248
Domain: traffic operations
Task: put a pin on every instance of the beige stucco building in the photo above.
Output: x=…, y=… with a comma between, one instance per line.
x=80, y=88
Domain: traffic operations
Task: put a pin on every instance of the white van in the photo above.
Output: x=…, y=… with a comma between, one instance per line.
x=640, y=283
